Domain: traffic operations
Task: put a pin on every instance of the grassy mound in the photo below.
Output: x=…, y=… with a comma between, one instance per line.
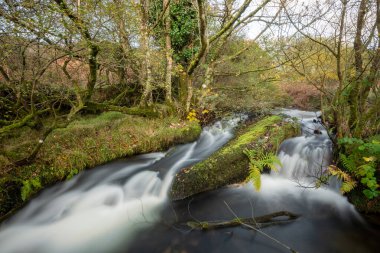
x=86, y=142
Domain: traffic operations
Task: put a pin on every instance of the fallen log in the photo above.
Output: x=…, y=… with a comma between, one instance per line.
x=229, y=164
x=145, y=112
x=22, y=122
x=257, y=222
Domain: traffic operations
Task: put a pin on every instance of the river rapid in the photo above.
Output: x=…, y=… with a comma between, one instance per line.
x=123, y=206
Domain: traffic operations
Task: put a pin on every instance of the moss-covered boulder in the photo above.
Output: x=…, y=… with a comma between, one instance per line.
x=229, y=164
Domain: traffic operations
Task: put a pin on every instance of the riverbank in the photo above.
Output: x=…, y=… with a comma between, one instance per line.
x=85, y=143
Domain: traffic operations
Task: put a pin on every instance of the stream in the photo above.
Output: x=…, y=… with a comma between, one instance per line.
x=123, y=206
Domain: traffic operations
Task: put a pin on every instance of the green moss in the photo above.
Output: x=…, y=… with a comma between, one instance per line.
x=229, y=164
x=252, y=133
x=85, y=143
x=29, y=187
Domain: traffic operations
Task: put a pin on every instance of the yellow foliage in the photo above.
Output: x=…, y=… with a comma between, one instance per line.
x=192, y=116
x=369, y=159
x=348, y=183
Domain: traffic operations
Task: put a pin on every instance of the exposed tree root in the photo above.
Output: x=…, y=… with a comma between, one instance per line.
x=132, y=111
x=21, y=122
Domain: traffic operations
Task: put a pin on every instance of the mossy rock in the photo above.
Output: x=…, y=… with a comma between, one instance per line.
x=229, y=164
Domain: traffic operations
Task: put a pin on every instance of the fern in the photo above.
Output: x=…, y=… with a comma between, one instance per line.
x=347, y=186
x=269, y=160
x=348, y=162
x=360, y=159
x=348, y=183
x=255, y=176
x=258, y=161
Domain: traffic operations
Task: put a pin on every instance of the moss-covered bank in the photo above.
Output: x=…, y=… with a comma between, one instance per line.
x=85, y=143
x=229, y=164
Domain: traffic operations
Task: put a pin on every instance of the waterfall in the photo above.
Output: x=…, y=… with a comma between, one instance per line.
x=101, y=208
x=123, y=206
x=305, y=158
x=327, y=222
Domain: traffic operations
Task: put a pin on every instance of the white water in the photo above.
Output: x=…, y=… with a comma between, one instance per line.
x=306, y=157
x=327, y=223
x=108, y=208
x=304, y=160
x=101, y=209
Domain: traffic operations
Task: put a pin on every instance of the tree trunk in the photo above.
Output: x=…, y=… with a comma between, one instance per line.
x=93, y=65
x=5, y=74
x=338, y=106
x=370, y=83
x=202, y=23
x=354, y=99
x=186, y=78
x=146, y=97
x=189, y=93
x=209, y=75
x=92, y=47
x=127, y=58
x=183, y=89
x=208, y=80
x=169, y=57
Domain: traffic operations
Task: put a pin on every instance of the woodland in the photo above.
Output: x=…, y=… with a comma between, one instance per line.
x=64, y=61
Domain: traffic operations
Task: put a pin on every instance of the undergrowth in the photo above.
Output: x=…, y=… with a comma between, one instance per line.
x=85, y=143
x=360, y=158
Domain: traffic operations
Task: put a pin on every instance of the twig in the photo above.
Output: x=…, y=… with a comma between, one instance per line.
x=261, y=232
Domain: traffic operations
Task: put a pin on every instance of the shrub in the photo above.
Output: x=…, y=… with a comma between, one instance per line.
x=304, y=96
x=360, y=158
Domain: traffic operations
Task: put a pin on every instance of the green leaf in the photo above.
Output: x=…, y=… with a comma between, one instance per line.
x=370, y=194
x=257, y=162
x=255, y=177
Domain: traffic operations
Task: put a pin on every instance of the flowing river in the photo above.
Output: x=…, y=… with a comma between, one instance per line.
x=123, y=206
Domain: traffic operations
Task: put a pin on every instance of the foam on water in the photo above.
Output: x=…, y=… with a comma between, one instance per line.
x=306, y=157
x=108, y=208
x=101, y=208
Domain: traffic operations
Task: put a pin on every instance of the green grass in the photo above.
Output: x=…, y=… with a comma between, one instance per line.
x=85, y=143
